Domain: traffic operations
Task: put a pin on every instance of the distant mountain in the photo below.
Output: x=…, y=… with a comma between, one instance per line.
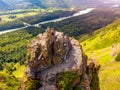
x=54, y=3
x=47, y=3
x=3, y=5
x=35, y=3
x=83, y=2
x=15, y=4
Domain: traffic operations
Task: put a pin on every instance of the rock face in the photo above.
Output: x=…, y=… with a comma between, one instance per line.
x=49, y=55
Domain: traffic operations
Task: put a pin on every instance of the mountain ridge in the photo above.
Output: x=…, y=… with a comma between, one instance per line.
x=3, y=5
x=20, y=4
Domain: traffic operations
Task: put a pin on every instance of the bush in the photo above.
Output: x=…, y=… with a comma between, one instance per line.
x=78, y=87
x=32, y=85
x=10, y=67
x=1, y=66
x=65, y=80
x=12, y=17
x=10, y=82
x=118, y=57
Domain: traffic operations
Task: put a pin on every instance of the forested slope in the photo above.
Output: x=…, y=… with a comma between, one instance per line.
x=13, y=55
x=87, y=23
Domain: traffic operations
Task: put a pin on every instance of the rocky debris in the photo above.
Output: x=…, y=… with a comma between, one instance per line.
x=51, y=54
x=115, y=49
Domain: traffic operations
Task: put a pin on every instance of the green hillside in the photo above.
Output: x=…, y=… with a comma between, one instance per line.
x=103, y=46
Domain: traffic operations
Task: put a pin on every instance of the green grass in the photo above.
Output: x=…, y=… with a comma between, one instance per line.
x=102, y=55
x=110, y=76
x=11, y=81
x=8, y=82
x=19, y=72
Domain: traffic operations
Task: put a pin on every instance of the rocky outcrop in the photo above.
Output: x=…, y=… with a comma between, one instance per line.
x=50, y=54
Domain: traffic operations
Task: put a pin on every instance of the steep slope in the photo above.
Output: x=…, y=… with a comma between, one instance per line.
x=54, y=55
x=106, y=36
x=104, y=45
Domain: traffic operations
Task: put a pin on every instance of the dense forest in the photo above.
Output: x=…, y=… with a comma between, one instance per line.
x=11, y=25
x=47, y=16
x=13, y=55
x=13, y=45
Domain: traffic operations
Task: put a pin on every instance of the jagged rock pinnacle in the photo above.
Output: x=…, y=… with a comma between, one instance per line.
x=50, y=54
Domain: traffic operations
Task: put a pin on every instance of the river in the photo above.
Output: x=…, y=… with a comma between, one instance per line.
x=54, y=20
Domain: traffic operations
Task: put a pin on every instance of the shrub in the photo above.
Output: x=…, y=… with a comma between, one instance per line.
x=66, y=79
x=10, y=82
x=117, y=57
x=78, y=87
x=1, y=66
x=32, y=85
